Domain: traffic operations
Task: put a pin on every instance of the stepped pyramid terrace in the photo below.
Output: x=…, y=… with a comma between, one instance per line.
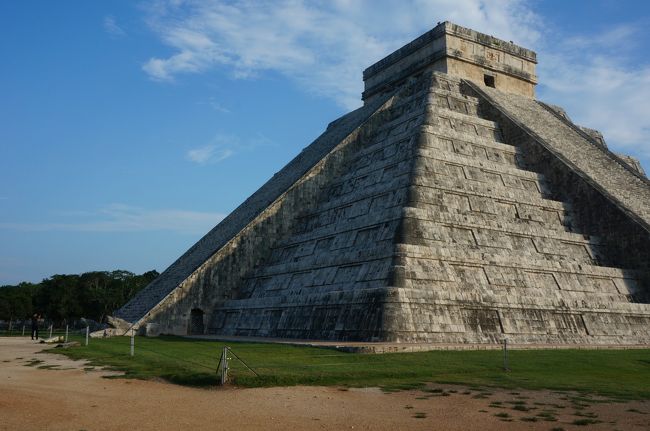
x=451, y=208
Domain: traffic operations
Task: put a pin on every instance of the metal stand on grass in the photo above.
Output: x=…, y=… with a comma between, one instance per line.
x=51, y=330
x=66, y=334
x=87, y=334
x=132, y=343
x=223, y=368
x=23, y=330
x=505, y=355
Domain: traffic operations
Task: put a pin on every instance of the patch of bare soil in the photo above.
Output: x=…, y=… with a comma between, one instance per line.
x=60, y=394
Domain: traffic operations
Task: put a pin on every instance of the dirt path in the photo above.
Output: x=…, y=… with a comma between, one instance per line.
x=65, y=396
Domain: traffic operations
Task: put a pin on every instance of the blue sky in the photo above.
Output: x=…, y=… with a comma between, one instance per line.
x=129, y=128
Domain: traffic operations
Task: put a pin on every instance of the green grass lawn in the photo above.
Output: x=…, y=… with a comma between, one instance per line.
x=615, y=373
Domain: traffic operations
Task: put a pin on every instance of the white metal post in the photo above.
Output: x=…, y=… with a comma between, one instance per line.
x=132, y=343
x=87, y=334
x=51, y=325
x=66, y=334
x=224, y=366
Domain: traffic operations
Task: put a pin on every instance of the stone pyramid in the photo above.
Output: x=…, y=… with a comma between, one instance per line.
x=452, y=207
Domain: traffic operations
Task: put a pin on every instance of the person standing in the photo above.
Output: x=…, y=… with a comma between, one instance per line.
x=35, y=326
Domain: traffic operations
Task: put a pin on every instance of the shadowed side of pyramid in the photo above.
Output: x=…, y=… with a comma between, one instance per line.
x=248, y=229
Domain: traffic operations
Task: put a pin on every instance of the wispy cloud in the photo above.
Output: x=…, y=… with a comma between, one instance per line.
x=125, y=218
x=208, y=154
x=111, y=27
x=215, y=105
x=323, y=46
x=223, y=146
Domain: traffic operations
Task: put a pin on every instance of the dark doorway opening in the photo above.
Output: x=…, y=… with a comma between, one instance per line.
x=489, y=80
x=196, y=322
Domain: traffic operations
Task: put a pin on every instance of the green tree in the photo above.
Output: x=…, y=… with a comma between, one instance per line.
x=92, y=295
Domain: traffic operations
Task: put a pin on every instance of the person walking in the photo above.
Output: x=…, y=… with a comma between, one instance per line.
x=35, y=326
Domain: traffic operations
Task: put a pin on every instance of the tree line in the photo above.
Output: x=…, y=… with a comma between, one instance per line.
x=92, y=295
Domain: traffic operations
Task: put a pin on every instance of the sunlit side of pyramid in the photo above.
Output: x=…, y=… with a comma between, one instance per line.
x=451, y=208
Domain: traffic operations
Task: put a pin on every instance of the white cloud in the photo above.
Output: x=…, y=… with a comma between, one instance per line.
x=208, y=154
x=111, y=27
x=125, y=218
x=223, y=146
x=215, y=105
x=220, y=148
x=324, y=46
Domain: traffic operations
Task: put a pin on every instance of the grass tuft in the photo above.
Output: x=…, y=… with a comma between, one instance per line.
x=521, y=408
x=584, y=422
x=529, y=419
x=636, y=411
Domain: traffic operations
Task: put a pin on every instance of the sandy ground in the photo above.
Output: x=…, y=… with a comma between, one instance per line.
x=67, y=396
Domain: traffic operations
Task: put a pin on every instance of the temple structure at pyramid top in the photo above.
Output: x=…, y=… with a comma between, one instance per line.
x=460, y=52
x=451, y=208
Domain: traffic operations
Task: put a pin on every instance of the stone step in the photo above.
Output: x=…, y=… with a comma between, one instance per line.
x=383, y=195
x=563, y=303
x=446, y=132
x=453, y=100
x=491, y=277
x=491, y=210
x=458, y=238
x=526, y=192
x=473, y=220
x=395, y=157
x=448, y=121
x=458, y=118
x=405, y=111
x=317, y=268
x=437, y=164
x=344, y=231
x=445, y=194
x=481, y=258
x=472, y=167
x=352, y=208
x=452, y=265
x=470, y=146
x=517, y=297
